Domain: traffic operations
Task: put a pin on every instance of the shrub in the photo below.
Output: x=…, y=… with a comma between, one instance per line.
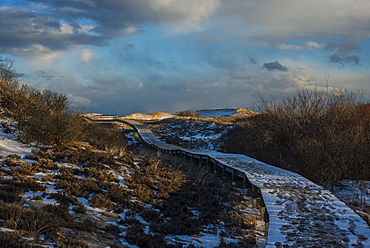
x=100, y=175
x=46, y=163
x=105, y=138
x=70, y=240
x=24, y=169
x=320, y=134
x=10, y=193
x=60, y=213
x=80, y=209
x=44, y=117
x=24, y=184
x=13, y=240
x=32, y=222
x=64, y=199
x=79, y=187
x=101, y=201
x=153, y=180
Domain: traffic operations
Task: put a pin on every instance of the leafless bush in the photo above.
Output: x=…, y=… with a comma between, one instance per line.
x=23, y=184
x=45, y=163
x=79, y=187
x=13, y=240
x=80, y=208
x=100, y=175
x=10, y=193
x=24, y=169
x=70, y=240
x=87, y=224
x=108, y=139
x=65, y=199
x=153, y=180
x=61, y=214
x=323, y=135
x=101, y=200
x=31, y=222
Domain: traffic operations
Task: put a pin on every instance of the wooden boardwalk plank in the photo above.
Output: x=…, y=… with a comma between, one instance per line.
x=299, y=213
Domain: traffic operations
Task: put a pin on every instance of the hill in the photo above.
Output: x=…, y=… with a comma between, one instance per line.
x=220, y=113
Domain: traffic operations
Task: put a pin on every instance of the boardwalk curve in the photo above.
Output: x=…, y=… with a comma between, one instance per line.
x=297, y=212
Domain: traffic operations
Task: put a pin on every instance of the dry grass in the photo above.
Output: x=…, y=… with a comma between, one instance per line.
x=198, y=200
x=166, y=196
x=154, y=181
x=30, y=222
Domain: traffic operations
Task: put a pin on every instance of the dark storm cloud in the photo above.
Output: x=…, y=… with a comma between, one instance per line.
x=274, y=66
x=342, y=53
x=113, y=17
x=252, y=61
x=21, y=75
x=22, y=30
x=47, y=27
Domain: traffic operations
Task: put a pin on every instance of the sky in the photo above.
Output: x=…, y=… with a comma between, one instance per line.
x=127, y=56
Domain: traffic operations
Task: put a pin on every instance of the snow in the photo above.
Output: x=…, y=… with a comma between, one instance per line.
x=298, y=208
x=216, y=112
x=10, y=145
x=300, y=212
x=353, y=191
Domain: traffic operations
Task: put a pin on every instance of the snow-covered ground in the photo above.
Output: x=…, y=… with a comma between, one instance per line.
x=302, y=213
x=194, y=135
x=216, y=112
x=10, y=145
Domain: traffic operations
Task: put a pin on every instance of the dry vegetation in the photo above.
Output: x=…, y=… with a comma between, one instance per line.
x=173, y=200
x=79, y=166
x=322, y=135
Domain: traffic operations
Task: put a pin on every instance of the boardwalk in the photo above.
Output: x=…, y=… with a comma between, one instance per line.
x=298, y=212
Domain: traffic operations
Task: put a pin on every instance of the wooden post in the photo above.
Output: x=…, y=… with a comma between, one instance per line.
x=245, y=185
x=233, y=177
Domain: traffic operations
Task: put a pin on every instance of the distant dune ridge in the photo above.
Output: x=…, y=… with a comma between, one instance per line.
x=204, y=113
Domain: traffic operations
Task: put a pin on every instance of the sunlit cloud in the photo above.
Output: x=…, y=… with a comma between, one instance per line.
x=309, y=45
x=171, y=55
x=87, y=55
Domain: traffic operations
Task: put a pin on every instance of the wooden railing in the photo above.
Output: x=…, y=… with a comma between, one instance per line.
x=272, y=189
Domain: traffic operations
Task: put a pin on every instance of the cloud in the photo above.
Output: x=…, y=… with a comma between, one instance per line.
x=309, y=45
x=112, y=16
x=37, y=35
x=285, y=46
x=56, y=26
x=234, y=83
x=262, y=45
x=342, y=53
x=21, y=75
x=296, y=19
x=274, y=66
x=252, y=61
x=80, y=101
x=87, y=55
